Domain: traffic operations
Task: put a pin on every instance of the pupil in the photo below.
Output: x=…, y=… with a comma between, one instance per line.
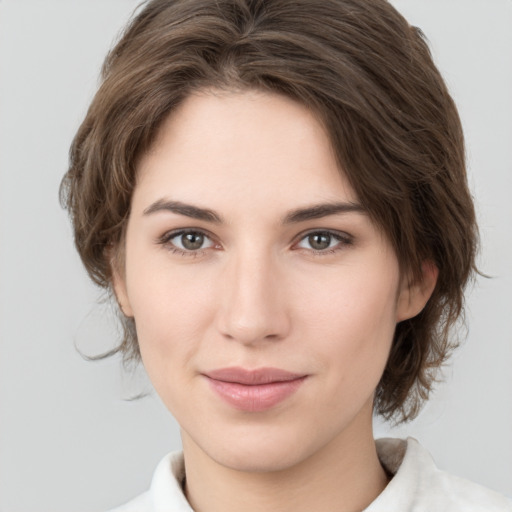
x=319, y=241
x=192, y=241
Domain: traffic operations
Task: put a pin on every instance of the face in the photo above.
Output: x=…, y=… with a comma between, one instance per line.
x=265, y=299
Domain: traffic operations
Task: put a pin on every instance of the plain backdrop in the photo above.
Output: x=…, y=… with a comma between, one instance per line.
x=70, y=440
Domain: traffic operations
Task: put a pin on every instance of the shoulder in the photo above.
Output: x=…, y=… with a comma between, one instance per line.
x=419, y=486
x=141, y=503
x=463, y=494
x=165, y=492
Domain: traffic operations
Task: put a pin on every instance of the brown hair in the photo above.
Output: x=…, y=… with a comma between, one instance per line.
x=369, y=77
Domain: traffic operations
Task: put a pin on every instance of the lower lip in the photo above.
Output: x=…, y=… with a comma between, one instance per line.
x=255, y=398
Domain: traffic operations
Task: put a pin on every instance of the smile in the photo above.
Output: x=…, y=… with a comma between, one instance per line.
x=254, y=390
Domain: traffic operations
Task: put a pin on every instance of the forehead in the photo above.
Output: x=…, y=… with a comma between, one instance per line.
x=252, y=145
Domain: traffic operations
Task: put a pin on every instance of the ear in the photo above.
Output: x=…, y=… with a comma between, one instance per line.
x=119, y=285
x=414, y=295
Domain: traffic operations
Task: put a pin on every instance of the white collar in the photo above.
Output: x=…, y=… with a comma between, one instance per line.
x=417, y=485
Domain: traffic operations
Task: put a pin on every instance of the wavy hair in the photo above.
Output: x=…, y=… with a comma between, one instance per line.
x=370, y=79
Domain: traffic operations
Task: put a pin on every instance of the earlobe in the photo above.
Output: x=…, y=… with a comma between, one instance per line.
x=119, y=287
x=414, y=295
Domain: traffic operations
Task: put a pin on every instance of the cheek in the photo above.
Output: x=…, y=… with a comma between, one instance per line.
x=172, y=311
x=353, y=325
x=357, y=300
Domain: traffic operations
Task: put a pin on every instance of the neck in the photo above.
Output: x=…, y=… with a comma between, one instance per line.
x=343, y=476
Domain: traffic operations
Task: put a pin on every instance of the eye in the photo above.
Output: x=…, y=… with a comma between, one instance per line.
x=189, y=241
x=324, y=241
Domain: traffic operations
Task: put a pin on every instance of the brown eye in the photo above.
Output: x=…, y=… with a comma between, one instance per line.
x=325, y=241
x=192, y=241
x=319, y=241
x=188, y=241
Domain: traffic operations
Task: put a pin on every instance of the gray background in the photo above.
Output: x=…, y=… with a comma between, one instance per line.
x=69, y=439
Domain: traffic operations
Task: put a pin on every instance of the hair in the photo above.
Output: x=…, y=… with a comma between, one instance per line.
x=370, y=79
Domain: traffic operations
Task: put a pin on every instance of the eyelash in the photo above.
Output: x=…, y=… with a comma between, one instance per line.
x=342, y=238
x=166, y=241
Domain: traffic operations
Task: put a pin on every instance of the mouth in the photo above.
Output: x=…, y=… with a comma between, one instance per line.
x=254, y=390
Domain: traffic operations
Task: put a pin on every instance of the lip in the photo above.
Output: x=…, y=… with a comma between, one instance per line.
x=254, y=390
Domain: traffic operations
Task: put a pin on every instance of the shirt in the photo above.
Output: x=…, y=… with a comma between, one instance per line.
x=417, y=485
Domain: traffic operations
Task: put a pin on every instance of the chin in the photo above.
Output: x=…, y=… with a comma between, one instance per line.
x=258, y=459
x=260, y=450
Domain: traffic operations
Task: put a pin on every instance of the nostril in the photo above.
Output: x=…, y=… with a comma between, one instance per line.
x=265, y=328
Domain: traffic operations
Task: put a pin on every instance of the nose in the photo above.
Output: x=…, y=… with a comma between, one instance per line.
x=253, y=307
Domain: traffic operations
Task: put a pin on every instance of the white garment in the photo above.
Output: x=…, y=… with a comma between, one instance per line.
x=417, y=486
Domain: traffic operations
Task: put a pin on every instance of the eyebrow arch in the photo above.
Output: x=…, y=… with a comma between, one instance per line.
x=321, y=210
x=187, y=210
x=299, y=215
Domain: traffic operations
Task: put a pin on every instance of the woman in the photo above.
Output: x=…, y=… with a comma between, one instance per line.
x=275, y=191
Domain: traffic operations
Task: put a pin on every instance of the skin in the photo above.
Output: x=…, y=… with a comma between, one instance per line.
x=258, y=293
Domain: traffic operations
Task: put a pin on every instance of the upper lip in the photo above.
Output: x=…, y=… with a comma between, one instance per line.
x=254, y=377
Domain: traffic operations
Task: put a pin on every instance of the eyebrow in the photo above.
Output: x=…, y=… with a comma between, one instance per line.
x=298, y=215
x=321, y=210
x=187, y=210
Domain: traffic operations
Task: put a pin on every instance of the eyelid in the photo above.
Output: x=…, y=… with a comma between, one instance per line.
x=165, y=240
x=343, y=238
